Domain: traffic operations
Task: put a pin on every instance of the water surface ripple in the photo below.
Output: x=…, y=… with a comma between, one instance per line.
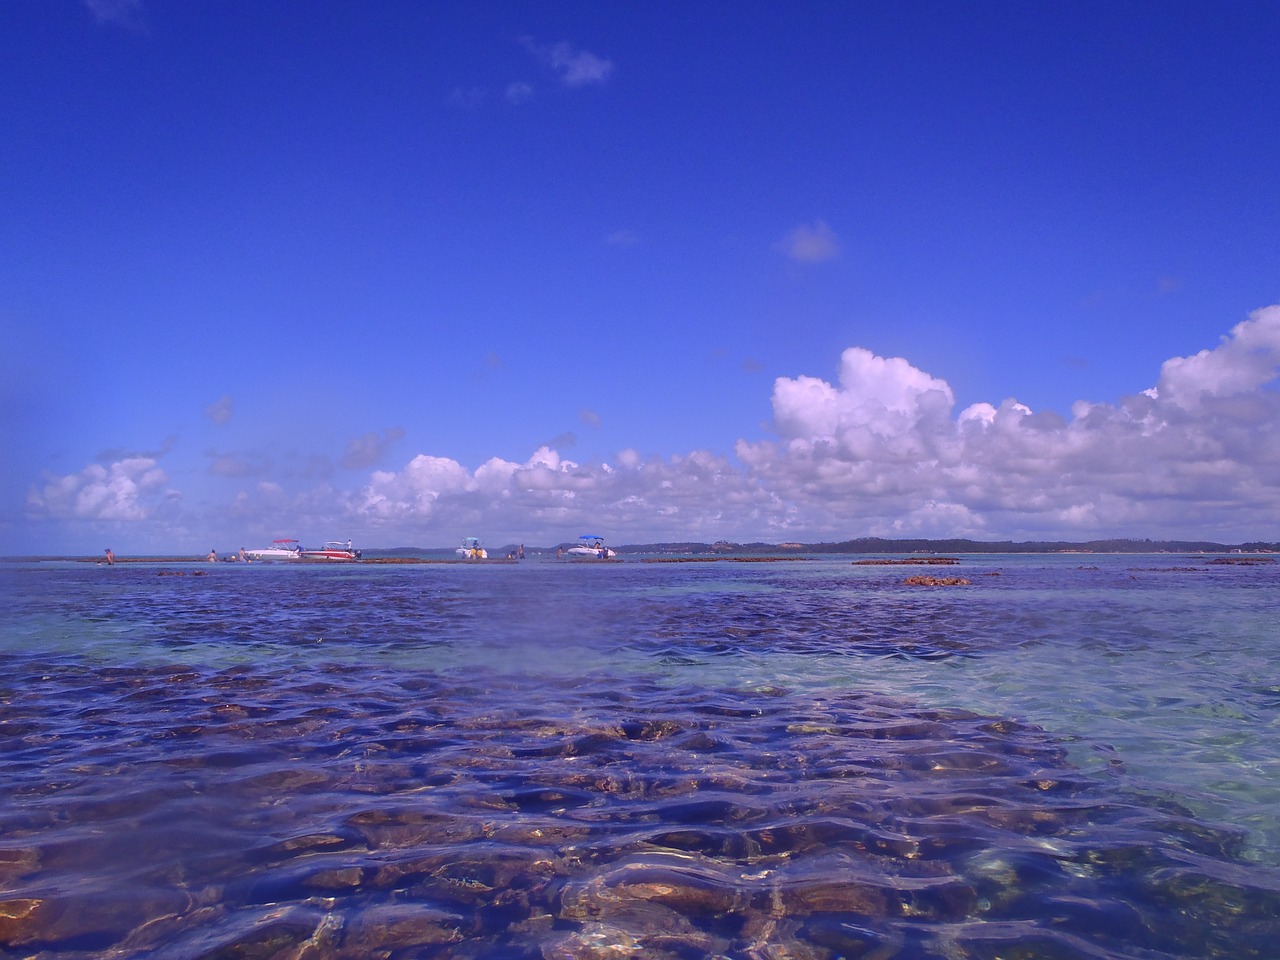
x=615, y=762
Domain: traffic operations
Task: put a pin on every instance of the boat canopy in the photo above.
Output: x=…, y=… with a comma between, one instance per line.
x=590, y=536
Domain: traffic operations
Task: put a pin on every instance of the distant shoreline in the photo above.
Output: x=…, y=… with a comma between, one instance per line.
x=723, y=549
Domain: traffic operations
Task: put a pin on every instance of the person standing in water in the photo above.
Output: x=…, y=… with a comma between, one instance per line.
x=111, y=557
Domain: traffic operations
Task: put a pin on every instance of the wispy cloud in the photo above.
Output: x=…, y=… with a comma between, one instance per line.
x=129, y=453
x=519, y=92
x=574, y=67
x=810, y=243
x=121, y=13
x=368, y=450
x=221, y=410
x=621, y=238
x=466, y=98
x=237, y=465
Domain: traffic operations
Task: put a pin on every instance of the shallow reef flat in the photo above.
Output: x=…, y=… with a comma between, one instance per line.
x=181, y=812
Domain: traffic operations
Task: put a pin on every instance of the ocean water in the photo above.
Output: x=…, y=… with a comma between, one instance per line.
x=1069, y=757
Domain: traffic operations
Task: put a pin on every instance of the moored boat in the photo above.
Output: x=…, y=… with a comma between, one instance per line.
x=591, y=545
x=332, y=550
x=279, y=550
x=471, y=549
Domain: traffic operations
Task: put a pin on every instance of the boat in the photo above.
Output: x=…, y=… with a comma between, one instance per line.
x=471, y=549
x=279, y=550
x=590, y=545
x=332, y=550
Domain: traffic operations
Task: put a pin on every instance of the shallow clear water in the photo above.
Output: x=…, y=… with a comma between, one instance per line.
x=1068, y=757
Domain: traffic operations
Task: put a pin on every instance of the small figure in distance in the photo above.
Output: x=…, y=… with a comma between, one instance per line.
x=213, y=555
x=111, y=557
x=244, y=557
x=559, y=553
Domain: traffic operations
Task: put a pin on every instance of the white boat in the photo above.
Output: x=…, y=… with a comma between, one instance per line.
x=279, y=550
x=332, y=550
x=590, y=545
x=471, y=549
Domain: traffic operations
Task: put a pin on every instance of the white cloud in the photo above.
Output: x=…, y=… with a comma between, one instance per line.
x=886, y=397
x=575, y=68
x=882, y=453
x=1243, y=361
x=879, y=450
x=548, y=497
x=810, y=243
x=124, y=490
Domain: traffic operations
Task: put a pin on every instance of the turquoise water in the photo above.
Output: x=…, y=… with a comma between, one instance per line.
x=1070, y=756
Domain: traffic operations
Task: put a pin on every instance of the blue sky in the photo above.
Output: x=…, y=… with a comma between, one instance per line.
x=405, y=272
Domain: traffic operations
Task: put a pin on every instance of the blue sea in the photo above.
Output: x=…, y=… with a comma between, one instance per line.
x=1068, y=757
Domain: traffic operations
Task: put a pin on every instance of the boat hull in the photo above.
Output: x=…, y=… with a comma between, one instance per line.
x=272, y=554
x=332, y=550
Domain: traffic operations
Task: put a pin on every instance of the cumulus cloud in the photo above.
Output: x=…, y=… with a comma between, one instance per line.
x=698, y=495
x=575, y=68
x=881, y=448
x=124, y=490
x=368, y=450
x=883, y=451
x=1244, y=360
x=810, y=243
